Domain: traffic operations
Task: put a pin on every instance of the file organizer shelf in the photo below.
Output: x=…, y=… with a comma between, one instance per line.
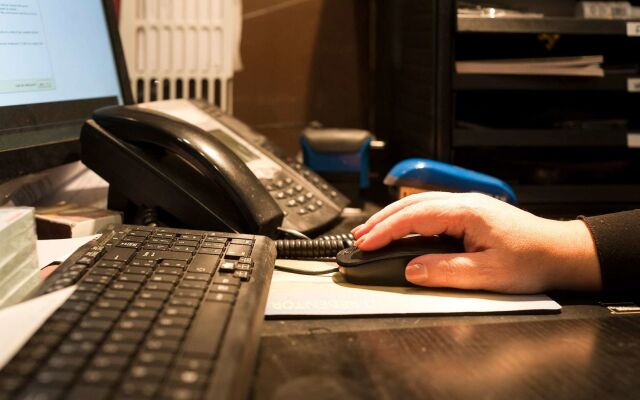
x=180, y=48
x=566, y=144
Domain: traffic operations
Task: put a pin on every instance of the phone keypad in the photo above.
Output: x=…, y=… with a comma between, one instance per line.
x=292, y=194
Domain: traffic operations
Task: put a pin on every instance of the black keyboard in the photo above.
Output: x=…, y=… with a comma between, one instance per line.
x=157, y=313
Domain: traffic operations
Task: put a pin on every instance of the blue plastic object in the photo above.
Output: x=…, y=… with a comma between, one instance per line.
x=430, y=174
x=339, y=157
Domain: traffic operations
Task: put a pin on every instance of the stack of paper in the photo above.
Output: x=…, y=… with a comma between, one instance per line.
x=18, y=256
x=566, y=66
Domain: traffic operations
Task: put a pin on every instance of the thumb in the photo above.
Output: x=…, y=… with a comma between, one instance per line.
x=458, y=270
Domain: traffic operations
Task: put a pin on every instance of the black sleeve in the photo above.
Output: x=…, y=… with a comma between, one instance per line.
x=617, y=240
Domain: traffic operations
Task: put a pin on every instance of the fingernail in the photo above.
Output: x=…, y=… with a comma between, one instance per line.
x=416, y=273
x=360, y=241
x=356, y=229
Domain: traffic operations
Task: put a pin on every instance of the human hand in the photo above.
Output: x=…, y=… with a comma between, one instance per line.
x=507, y=249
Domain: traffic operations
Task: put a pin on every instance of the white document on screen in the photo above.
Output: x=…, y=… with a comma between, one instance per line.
x=329, y=295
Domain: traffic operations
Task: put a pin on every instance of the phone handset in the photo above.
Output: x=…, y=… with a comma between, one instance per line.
x=204, y=152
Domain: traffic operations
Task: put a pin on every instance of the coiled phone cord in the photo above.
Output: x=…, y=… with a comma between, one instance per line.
x=326, y=246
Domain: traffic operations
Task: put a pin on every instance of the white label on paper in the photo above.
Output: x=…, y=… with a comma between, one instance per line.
x=633, y=28
x=633, y=140
x=633, y=85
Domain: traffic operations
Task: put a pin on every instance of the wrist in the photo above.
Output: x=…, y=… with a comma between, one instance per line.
x=577, y=266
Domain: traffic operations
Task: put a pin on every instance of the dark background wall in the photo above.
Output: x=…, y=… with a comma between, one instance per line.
x=304, y=60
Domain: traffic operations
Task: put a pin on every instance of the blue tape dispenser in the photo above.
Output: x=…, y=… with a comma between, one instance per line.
x=417, y=175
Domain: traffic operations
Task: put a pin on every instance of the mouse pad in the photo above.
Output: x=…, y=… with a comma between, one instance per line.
x=329, y=295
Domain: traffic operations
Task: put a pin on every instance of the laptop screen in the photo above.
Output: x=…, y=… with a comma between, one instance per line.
x=59, y=61
x=55, y=50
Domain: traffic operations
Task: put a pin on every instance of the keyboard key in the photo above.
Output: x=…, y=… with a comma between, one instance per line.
x=147, y=372
x=191, y=237
x=96, y=324
x=237, y=250
x=247, y=242
x=182, y=242
x=214, y=239
x=129, y=244
x=131, y=278
x=160, y=286
x=194, y=276
x=118, y=294
x=207, y=251
x=84, y=296
x=221, y=297
x=134, y=324
x=141, y=314
x=153, y=295
x=111, y=304
x=110, y=264
x=132, y=238
x=40, y=392
x=66, y=363
x=226, y=280
x=91, y=287
x=169, y=270
x=147, y=304
x=184, y=301
x=102, y=313
x=173, y=322
x=126, y=336
x=66, y=316
x=188, y=249
x=182, y=393
x=212, y=245
x=155, y=246
x=206, y=330
x=162, y=345
x=99, y=279
x=173, y=263
x=159, y=240
x=112, y=362
x=110, y=272
x=186, y=312
x=227, y=266
x=243, y=267
x=243, y=275
x=195, y=364
x=71, y=348
x=142, y=263
x=165, y=278
x=85, y=391
x=118, y=348
x=187, y=377
x=138, y=271
x=81, y=335
x=154, y=358
x=168, y=333
x=191, y=293
x=100, y=376
x=119, y=254
x=138, y=389
x=79, y=306
x=163, y=255
x=140, y=233
x=223, y=288
x=121, y=284
x=193, y=285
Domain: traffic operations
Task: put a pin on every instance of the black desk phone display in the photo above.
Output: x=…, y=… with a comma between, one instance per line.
x=204, y=169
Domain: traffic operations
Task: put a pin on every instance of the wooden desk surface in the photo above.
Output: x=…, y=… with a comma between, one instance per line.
x=582, y=353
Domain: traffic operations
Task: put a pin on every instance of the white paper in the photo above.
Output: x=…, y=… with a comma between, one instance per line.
x=58, y=250
x=22, y=320
x=295, y=294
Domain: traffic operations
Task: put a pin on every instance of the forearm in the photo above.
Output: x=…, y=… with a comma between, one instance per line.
x=617, y=241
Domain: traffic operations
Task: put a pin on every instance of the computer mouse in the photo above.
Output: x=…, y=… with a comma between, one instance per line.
x=386, y=266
